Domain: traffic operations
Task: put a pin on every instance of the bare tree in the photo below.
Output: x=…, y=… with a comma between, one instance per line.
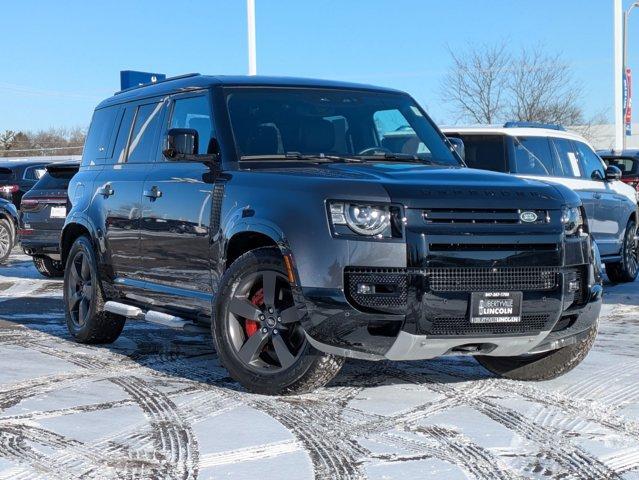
x=488, y=84
x=6, y=139
x=477, y=83
x=542, y=89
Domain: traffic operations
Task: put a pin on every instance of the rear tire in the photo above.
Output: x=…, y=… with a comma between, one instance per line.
x=48, y=268
x=84, y=300
x=251, y=346
x=626, y=270
x=6, y=240
x=543, y=366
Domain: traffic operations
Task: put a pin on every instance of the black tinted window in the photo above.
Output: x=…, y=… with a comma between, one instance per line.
x=96, y=146
x=124, y=129
x=55, y=180
x=590, y=161
x=628, y=166
x=6, y=174
x=533, y=156
x=34, y=173
x=194, y=113
x=485, y=152
x=143, y=147
x=272, y=122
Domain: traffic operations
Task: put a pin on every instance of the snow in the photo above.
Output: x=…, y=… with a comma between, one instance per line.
x=157, y=404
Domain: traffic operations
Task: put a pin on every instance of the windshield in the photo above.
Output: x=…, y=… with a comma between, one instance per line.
x=305, y=123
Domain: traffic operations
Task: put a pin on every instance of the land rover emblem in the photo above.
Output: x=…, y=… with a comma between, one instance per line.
x=528, y=217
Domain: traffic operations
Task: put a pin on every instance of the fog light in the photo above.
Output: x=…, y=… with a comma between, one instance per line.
x=365, y=288
x=573, y=286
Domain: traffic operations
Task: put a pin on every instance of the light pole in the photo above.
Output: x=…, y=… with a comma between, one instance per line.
x=250, y=17
x=626, y=16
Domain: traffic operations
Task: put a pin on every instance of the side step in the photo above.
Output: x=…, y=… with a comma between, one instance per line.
x=135, y=313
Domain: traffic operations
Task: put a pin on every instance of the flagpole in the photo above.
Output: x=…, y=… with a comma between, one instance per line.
x=252, y=47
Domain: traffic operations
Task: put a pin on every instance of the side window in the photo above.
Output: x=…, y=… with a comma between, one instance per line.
x=96, y=146
x=592, y=164
x=195, y=113
x=124, y=130
x=568, y=157
x=142, y=146
x=34, y=173
x=533, y=156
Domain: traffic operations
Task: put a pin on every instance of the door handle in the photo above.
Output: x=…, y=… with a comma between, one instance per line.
x=106, y=190
x=154, y=193
x=597, y=196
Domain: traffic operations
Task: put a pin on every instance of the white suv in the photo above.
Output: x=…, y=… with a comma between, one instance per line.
x=548, y=152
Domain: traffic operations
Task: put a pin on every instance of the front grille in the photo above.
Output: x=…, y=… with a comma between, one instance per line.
x=391, y=288
x=482, y=216
x=488, y=279
x=455, y=326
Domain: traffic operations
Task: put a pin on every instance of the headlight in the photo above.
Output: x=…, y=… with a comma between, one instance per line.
x=361, y=218
x=572, y=220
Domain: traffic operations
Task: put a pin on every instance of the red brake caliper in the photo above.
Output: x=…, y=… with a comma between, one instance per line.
x=252, y=326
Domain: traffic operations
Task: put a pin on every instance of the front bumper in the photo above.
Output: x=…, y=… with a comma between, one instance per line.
x=429, y=315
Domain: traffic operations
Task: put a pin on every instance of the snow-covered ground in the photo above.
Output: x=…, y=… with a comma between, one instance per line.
x=156, y=404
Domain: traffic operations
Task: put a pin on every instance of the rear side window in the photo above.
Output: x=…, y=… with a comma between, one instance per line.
x=486, y=152
x=142, y=147
x=34, y=173
x=194, y=112
x=55, y=180
x=533, y=156
x=96, y=146
x=568, y=158
x=590, y=161
x=122, y=138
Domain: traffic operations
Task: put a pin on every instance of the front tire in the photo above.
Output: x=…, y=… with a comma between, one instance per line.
x=83, y=298
x=627, y=269
x=6, y=240
x=257, y=333
x=543, y=366
x=48, y=268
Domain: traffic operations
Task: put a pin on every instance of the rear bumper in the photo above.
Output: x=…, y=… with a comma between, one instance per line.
x=41, y=242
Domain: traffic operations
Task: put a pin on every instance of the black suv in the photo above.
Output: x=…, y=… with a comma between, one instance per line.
x=283, y=213
x=18, y=176
x=43, y=210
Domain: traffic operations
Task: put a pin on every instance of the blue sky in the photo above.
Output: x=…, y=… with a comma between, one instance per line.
x=59, y=59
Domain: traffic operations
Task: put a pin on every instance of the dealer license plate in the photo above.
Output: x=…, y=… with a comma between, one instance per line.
x=58, y=212
x=495, y=307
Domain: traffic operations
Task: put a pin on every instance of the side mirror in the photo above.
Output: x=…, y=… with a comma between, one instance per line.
x=458, y=145
x=181, y=143
x=613, y=173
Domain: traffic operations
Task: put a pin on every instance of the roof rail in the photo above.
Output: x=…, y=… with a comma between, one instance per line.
x=169, y=79
x=551, y=126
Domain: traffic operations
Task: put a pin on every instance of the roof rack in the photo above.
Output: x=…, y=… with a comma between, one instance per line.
x=550, y=126
x=169, y=79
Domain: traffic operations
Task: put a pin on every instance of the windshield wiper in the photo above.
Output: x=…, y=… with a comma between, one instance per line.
x=398, y=156
x=292, y=156
x=321, y=156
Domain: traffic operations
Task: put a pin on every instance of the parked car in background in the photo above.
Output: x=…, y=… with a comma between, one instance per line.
x=42, y=213
x=627, y=161
x=549, y=153
x=18, y=176
x=8, y=228
x=290, y=215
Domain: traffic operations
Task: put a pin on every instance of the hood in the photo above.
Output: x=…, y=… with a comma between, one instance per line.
x=419, y=186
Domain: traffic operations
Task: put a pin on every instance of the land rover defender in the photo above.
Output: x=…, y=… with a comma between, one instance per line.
x=291, y=216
